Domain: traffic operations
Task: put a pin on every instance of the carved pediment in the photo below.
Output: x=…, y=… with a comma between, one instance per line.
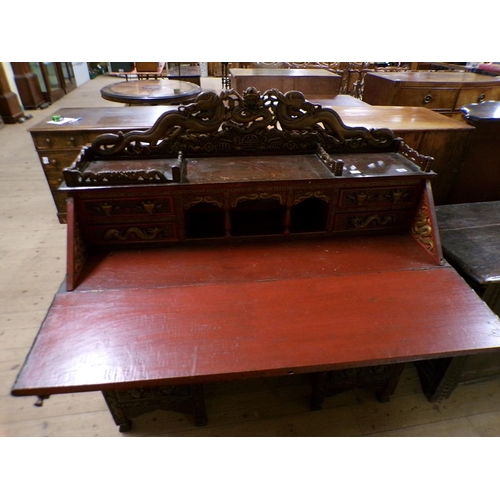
x=255, y=123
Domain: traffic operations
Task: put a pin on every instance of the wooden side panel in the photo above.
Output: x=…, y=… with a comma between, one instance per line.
x=76, y=248
x=424, y=228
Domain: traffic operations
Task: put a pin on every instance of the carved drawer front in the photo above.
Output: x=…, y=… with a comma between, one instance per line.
x=432, y=98
x=51, y=140
x=126, y=207
x=398, y=197
x=477, y=94
x=372, y=221
x=119, y=234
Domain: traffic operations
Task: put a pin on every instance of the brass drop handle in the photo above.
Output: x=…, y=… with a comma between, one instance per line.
x=481, y=98
x=53, y=162
x=72, y=141
x=427, y=99
x=48, y=141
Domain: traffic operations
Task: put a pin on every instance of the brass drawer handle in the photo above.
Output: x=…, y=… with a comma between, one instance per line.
x=72, y=141
x=48, y=141
x=53, y=162
x=481, y=98
x=427, y=99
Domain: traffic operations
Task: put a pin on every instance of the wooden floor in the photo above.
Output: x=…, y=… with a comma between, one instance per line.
x=32, y=266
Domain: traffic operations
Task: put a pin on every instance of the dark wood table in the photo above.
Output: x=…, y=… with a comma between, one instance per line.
x=311, y=82
x=470, y=237
x=151, y=92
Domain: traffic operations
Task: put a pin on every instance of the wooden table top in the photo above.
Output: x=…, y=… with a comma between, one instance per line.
x=352, y=111
x=148, y=92
x=399, y=118
x=210, y=312
x=470, y=235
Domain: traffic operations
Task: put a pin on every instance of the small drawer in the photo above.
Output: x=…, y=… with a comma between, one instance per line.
x=477, y=94
x=379, y=221
x=66, y=140
x=364, y=198
x=432, y=98
x=129, y=207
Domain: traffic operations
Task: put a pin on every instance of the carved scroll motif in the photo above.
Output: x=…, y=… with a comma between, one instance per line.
x=228, y=123
x=311, y=194
x=371, y=221
x=134, y=233
x=259, y=196
x=204, y=199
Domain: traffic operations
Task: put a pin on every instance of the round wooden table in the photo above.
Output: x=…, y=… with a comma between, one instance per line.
x=150, y=92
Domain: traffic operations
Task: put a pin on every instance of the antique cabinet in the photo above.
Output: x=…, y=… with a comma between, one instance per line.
x=478, y=178
x=442, y=91
x=311, y=82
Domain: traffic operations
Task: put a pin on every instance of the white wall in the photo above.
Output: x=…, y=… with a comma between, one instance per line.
x=81, y=71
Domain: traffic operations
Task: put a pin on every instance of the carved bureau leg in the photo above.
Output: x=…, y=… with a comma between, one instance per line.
x=383, y=379
x=126, y=404
x=439, y=377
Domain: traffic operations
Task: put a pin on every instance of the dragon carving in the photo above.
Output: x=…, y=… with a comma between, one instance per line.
x=295, y=113
x=222, y=123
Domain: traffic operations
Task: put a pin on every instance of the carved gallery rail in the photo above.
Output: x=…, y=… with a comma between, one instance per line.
x=249, y=236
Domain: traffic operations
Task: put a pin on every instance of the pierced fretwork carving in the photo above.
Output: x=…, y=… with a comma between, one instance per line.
x=424, y=162
x=158, y=172
x=228, y=123
x=335, y=166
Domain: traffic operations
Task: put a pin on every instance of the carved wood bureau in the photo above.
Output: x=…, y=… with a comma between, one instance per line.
x=249, y=236
x=442, y=91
